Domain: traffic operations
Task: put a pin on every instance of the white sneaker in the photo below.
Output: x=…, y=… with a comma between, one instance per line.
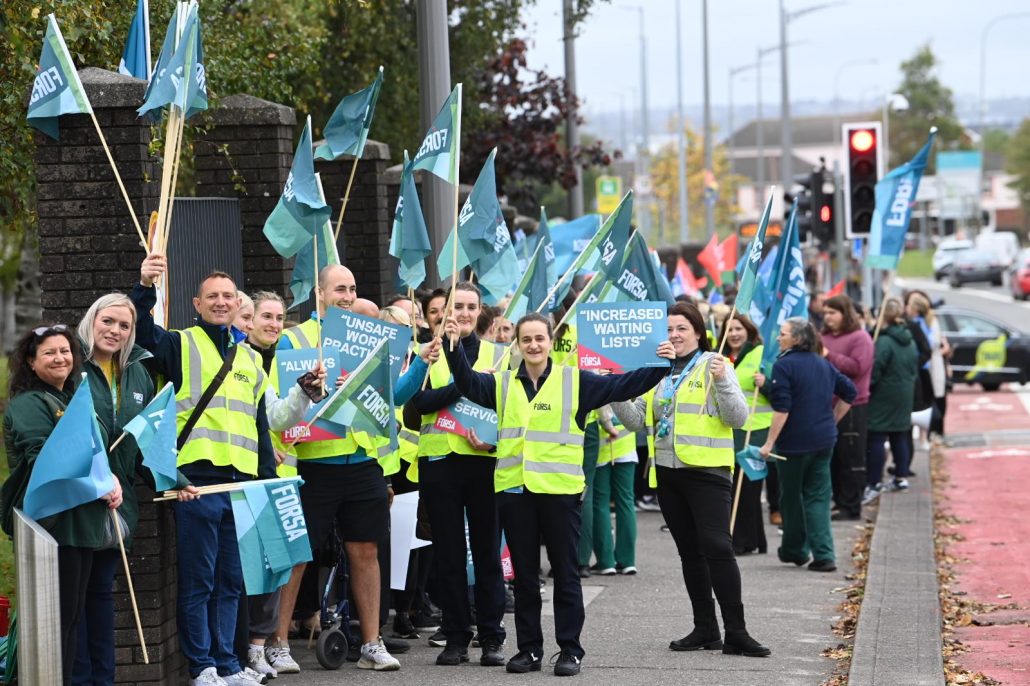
x=374, y=656
x=258, y=663
x=209, y=677
x=279, y=658
x=242, y=678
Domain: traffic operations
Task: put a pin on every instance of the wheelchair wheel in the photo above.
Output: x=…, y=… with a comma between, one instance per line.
x=331, y=649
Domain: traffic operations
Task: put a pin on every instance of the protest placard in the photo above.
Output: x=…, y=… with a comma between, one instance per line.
x=464, y=416
x=355, y=336
x=620, y=337
x=292, y=365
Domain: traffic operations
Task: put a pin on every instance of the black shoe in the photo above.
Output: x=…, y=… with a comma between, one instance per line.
x=698, y=640
x=492, y=656
x=844, y=517
x=438, y=640
x=402, y=628
x=452, y=655
x=423, y=621
x=567, y=664
x=796, y=560
x=524, y=662
x=584, y=572
x=396, y=646
x=740, y=643
x=822, y=566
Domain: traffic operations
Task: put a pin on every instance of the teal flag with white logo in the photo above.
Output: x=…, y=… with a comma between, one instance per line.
x=154, y=430
x=180, y=80
x=365, y=400
x=57, y=89
x=531, y=293
x=752, y=259
x=271, y=532
x=639, y=278
x=438, y=153
x=301, y=210
x=347, y=129
x=305, y=271
x=409, y=240
x=616, y=231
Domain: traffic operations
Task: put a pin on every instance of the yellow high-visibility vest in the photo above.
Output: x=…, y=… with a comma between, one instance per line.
x=761, y=417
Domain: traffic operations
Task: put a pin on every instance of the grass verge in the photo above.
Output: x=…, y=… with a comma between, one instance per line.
x=916, y=264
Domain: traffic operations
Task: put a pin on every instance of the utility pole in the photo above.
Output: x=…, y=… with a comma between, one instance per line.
x=681, y=144
x=709, y=165
x=787, y=152
x=434, y=84
x=575, y=205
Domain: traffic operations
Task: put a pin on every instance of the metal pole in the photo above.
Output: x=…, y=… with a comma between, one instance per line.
x=760, y=132
x=787, y=153
x=643, y=208
x=39, y=608
x=681, y=143
x=729, y=137
x=434, y=81
x=887, y=131
x=709, y=166
x=575, y=205
x=843, y=261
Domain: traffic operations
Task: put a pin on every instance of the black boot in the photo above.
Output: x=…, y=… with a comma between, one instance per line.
x=705, y=635
x=738, y=641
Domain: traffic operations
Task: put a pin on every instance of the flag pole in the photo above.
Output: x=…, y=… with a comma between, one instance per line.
x=175, y=180
x=128, y=579
x=346, y=197
x=747, y=439
x=883, y=300
x=457, y=209
x=318, y=304
x=118, y=178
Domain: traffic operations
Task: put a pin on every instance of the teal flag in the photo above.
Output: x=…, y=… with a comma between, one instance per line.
x=550, y=262
x=305, y=271
x=181, y=80
x=789, y=295
x=301, y=210
x=497, y=272
x=531, y=293
x=409, y=240
x=895, y=198
x=155, y=433
x=616, y=238
x=748, y=277
x=365, y=400
x=438, y=154
x=347, y=128
x=271, y=532
x=72, y=467
x=57, y=89
x=640, y=278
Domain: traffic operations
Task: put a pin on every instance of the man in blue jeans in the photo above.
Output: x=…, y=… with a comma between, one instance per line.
x=229, y=441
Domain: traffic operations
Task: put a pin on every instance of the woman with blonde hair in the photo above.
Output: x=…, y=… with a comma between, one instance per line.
x=919, y=310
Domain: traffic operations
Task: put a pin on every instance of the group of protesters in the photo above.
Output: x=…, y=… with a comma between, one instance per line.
x=565, y=456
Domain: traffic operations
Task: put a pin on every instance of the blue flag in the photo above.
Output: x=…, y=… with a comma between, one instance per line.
x=748, y=277
x=271, y=532
x=365, y=400
x=155, y=433
x=347, y=129
x=572, y=240
x=639, y=278
x=301, y=210
x=789, y=295
x=180, y=79
x=409, y=241
x=57, y=89
x=439, y=151
x=895, y=197
x=750, y=460
x=135, y=60
x=305, y=271
x=72, y=467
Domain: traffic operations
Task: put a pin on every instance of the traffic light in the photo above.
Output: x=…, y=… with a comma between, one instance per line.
x=822, y=206
x=863, y=166
x=805, y=206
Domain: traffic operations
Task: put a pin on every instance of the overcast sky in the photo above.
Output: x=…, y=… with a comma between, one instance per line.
x=889, y=31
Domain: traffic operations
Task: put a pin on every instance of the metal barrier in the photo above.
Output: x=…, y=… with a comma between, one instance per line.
x=39, y=610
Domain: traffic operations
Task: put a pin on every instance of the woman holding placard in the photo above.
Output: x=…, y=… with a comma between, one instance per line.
x=690, y=445
x=542, y=410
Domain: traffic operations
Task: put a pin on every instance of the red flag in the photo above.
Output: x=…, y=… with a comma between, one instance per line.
x=729, y=253
x=684, y=282
x=712, y=259
x=838, y=289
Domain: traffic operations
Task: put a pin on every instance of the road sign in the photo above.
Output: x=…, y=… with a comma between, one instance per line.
x=609, y=193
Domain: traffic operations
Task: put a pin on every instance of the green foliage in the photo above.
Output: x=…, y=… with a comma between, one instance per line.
x=930, y=104
x=1018, y=163
x=916, y=264
x=996, y=140
x=6, y=546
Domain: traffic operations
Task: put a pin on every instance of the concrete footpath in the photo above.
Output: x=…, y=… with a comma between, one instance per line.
x=630, y=621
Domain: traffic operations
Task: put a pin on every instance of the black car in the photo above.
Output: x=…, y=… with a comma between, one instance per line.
x=976, y=265
x=985, y=351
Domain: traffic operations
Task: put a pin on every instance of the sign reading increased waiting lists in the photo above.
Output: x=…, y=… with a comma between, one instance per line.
x=620, y=337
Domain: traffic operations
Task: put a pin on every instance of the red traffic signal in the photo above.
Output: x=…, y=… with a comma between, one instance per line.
x=862, y=140
x=862, y=168
x=825, y=214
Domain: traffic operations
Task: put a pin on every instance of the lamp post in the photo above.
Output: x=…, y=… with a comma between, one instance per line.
x=707, y=125
x=681, y=143
x=575, y=204
x=643, y=151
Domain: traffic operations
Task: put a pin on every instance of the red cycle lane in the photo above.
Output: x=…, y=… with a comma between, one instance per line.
x=989, y=491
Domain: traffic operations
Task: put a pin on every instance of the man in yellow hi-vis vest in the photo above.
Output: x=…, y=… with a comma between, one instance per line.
x=228, y=442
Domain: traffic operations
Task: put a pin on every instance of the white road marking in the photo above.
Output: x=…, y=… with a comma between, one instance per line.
x=1004, y=452
x=986, y=405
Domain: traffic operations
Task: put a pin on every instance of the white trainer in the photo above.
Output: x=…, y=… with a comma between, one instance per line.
x=258, y=663
x=279, y=658
x=243, y=678
x=375, y=656
x=209, y=677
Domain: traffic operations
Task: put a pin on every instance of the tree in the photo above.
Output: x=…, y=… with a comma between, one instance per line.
x=930, y=103
x=1017, y=163
x=665, y=180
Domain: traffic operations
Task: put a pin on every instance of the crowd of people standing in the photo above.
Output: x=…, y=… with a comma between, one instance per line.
x=572, y=448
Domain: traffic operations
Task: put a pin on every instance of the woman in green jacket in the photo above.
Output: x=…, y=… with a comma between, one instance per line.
x=44, y=368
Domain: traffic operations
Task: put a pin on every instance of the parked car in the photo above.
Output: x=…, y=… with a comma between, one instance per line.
x=945, y=254
x=1004, y=245
x=1019, y=275
x=985, y=351
x=970, y=266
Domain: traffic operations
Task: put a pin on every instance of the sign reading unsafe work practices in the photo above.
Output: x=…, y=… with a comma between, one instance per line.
x=620, y=337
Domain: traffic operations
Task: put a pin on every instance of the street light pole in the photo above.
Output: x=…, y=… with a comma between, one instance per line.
x=786, y=144
x=575, y=204
x=709, y=165
x=643, y=208
x=681, y=144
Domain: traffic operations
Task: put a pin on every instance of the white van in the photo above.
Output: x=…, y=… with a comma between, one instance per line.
x=1002, y=244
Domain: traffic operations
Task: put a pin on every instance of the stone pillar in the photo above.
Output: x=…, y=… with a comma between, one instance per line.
x=89, y=247
x=364, y=242
x=246, y=152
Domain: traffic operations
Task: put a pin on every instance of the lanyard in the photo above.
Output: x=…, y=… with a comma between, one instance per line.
x=670, y=388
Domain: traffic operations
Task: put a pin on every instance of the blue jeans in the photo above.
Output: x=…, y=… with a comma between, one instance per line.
x=210, y=583
x=876, y=455
x=94, y=657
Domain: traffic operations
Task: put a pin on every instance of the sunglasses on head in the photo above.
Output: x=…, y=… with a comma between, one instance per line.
x=44, y=331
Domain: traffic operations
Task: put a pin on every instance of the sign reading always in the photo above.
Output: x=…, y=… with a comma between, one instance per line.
x=355, y=336
x=292, y=365
x=609, y=193
x=621, y=336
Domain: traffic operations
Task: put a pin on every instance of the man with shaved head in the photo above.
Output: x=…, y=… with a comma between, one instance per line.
x=365, y=307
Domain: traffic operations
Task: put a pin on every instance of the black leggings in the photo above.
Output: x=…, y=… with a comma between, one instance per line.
x=696, y=506
x=940, y=407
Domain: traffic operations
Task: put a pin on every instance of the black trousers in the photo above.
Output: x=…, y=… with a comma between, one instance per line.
x=454, y=489
x=847, y=466
x=940, y=407
x=696, y=506
x=525, y=518
x=772, y=488
x=74, y=566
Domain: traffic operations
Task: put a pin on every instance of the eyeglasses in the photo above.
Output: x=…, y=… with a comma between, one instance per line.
x=44, y=331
